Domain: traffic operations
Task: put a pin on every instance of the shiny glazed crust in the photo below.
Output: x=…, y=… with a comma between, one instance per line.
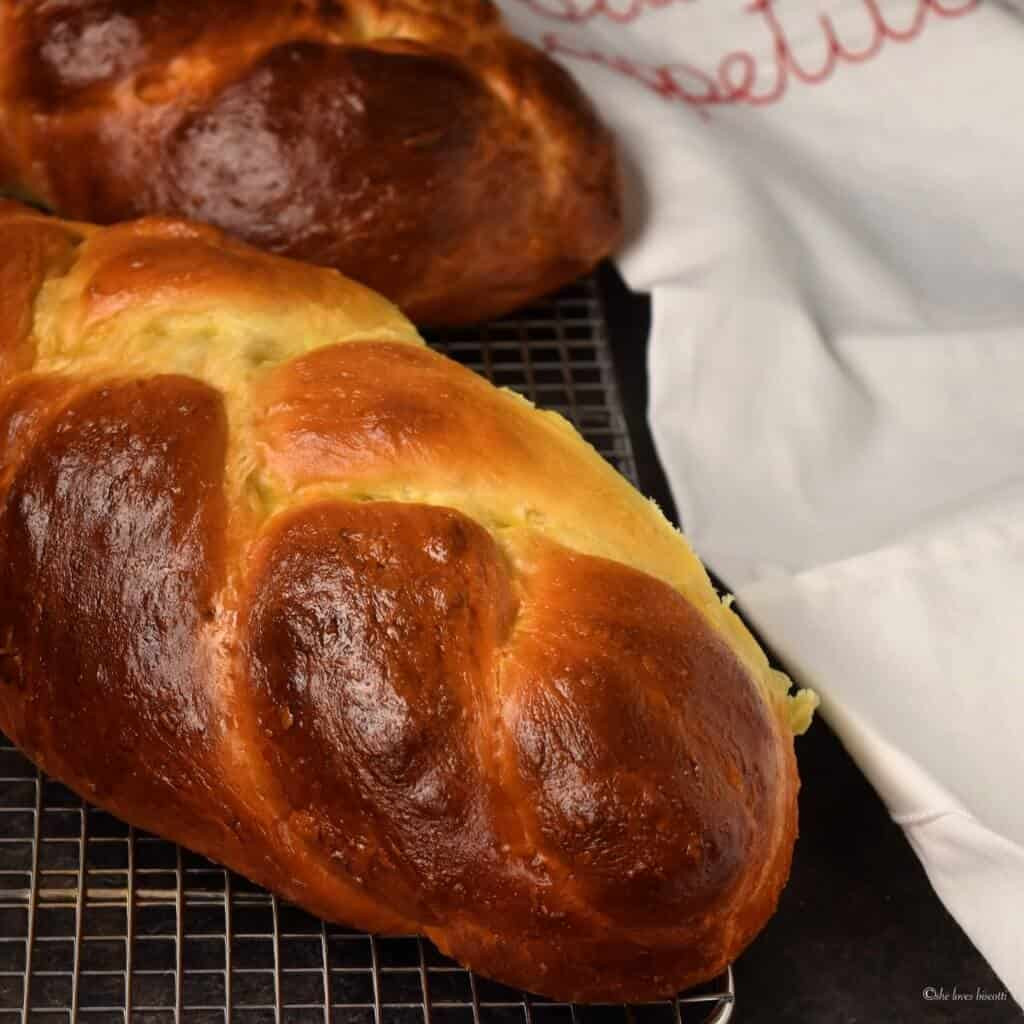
x=413, y=144
x=281, y=584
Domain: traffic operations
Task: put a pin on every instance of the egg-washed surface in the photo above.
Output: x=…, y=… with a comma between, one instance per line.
x=404, y=649
x=413, y=144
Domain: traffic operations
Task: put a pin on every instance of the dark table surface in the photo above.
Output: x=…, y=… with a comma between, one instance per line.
x=859, y=934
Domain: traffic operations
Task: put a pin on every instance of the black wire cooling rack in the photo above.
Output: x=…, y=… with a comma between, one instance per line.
x=102, y=923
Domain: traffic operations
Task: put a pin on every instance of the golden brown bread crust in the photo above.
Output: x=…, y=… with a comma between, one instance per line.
x=280, y=584
x=412, y=144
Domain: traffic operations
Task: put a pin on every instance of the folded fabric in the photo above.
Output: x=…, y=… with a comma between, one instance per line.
x=912, y=646
x=826, y=201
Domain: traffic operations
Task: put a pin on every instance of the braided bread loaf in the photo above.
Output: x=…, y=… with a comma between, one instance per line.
x=283, y=585
x=413, y=144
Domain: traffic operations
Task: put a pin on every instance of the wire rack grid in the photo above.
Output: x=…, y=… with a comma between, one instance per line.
x=102, y=923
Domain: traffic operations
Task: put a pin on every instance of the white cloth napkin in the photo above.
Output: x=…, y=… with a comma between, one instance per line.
x=826, y=199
